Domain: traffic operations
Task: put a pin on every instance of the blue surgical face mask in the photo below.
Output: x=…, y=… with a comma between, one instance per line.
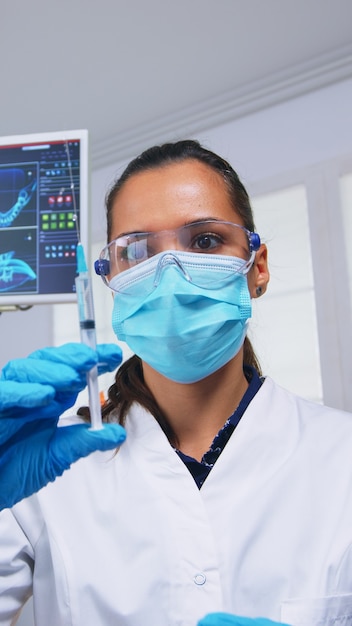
x=184, y=314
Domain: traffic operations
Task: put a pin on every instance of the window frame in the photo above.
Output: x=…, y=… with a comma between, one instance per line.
x=330, y=270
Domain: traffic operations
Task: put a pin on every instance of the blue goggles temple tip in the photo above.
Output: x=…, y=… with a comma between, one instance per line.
x=102, y=267
x=254, y=241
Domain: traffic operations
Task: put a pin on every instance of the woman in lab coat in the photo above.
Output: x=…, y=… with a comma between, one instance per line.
x=229, y=494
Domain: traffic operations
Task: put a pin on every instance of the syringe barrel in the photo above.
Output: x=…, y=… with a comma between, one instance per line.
x=94, y=399
x=87, y=333
x=85, y=299
x=88, y=337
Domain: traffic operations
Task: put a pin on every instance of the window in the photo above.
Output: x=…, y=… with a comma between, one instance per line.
x=284, y=327
x=346, y=201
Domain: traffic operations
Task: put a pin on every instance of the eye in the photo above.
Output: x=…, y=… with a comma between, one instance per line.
x=134, y=252
x=137, y=251
x=206, y=241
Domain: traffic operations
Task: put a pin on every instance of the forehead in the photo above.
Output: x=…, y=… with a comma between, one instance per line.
x=170, y=196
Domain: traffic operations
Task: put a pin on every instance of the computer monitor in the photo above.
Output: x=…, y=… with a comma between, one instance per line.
x=44, y=186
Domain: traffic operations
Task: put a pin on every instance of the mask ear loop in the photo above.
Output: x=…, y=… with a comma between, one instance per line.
x=247, y=266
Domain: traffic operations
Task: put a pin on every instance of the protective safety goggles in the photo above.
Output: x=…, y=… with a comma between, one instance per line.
x=206, y=237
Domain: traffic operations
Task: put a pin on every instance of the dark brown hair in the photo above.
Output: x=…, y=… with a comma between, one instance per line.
x=129, y=384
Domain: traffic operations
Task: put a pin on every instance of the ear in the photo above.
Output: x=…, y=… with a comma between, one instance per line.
x=259, y=276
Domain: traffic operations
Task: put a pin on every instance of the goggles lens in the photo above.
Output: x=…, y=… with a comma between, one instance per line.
x=209, y=237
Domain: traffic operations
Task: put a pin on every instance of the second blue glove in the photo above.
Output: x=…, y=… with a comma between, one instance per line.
x=225, y=619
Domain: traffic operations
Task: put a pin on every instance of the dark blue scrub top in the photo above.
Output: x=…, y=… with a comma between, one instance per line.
x=201, y=469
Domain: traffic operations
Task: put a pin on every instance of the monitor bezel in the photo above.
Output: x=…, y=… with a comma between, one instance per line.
x=28, y=300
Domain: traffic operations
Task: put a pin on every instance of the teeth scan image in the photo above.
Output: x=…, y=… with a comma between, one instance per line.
x=17, y=189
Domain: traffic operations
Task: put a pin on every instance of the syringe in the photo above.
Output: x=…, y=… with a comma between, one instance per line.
x=87, y=331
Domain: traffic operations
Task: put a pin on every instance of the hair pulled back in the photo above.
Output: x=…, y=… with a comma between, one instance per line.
x=169, y=153
x=129, y=383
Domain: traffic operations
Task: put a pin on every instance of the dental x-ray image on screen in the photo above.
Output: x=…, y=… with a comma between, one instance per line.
x=43, y=194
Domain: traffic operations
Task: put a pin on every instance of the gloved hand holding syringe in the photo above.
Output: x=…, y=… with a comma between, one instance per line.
x=87, y=332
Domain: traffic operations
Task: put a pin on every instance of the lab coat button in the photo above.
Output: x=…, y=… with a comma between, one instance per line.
x=199, y=579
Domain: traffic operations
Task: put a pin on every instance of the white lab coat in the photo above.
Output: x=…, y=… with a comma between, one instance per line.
x=129, y=540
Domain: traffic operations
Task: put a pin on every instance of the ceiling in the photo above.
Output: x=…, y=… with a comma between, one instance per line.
x=130, y=70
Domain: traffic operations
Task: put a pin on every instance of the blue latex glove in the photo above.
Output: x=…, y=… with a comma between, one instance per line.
x=33, y=394
x=225, y=619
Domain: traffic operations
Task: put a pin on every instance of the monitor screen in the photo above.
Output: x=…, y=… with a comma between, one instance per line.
x=43, y=209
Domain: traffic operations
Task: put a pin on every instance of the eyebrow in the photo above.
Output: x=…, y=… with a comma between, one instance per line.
x=188, y=223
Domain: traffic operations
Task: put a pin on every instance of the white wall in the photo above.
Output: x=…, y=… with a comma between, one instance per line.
x=288, y=136
x=21, y=332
